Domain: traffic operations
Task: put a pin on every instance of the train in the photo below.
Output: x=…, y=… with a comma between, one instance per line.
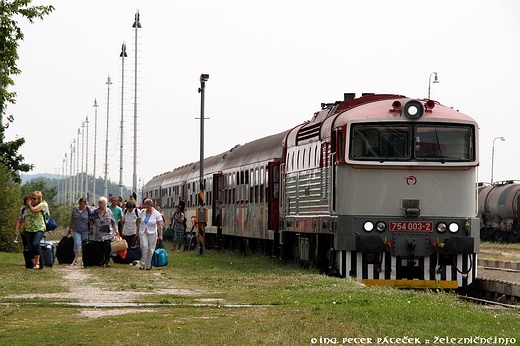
x=380, y=188
x=499, y=209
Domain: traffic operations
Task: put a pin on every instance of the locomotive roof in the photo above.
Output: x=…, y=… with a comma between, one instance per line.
x=372, y=107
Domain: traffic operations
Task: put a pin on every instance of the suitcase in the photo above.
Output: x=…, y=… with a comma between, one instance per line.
x=46, y=254
x=65, y=250
x=91, y=253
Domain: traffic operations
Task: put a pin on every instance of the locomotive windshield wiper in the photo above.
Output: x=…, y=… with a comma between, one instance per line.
x=439, y=146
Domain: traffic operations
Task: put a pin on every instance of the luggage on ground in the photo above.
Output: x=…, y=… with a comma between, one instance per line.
x=65, y=250
x=160, y=256
x=91, y=253
x=133, y=253
x=46, y=254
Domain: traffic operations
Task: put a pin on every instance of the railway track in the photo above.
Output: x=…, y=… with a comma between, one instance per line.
x=488, y=302
x=497, y=283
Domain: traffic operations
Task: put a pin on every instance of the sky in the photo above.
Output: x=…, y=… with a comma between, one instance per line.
x=271, y=64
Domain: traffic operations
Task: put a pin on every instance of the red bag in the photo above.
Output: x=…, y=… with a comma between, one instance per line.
x=119, y=246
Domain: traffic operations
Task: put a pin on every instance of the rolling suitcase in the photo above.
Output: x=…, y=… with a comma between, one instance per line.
x=65, y=250
x=91, y=253
x=46, y=254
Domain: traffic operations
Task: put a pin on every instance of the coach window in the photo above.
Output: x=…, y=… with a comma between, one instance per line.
x=246, y=186
x=267, y=194
x=261, y=187
x=243, y=187
x=251, y=187
x=209, y=188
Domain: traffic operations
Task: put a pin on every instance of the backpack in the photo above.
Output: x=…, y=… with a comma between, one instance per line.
x=135, y=211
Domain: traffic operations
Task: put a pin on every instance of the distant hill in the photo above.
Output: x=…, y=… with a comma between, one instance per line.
x=29, y=177
x=55, y=179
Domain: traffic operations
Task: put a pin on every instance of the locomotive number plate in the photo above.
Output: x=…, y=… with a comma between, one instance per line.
x=411, y=226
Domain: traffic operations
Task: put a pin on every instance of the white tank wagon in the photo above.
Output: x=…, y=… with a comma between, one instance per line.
x=499, y=210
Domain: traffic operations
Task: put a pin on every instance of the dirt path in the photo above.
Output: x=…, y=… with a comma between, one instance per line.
x=83, y=292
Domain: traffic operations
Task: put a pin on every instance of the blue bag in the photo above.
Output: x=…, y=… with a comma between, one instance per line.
x=50, y=223
x=160, y=256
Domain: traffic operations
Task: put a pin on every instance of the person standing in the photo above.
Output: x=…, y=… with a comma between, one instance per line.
x=35, y=225
x=79, y=227
x=177, y=221
x=104, y=230
x=150, y=229
x=162, y=215
x=117, y=211
x=20, y=221
x=130, y=223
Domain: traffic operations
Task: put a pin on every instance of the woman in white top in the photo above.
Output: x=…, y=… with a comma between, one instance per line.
x=150, y=229
x=130, y=223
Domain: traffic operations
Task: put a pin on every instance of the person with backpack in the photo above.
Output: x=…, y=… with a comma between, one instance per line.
x=131, y=222
x=35, y=225
x=20, y=230
x=20, y=222
x=79, y=227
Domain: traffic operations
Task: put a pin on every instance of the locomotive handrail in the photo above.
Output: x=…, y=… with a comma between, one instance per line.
x=330, y=184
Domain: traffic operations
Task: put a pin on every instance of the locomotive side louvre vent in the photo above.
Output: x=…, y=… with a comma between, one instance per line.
x=409, y=203
x=308, y=132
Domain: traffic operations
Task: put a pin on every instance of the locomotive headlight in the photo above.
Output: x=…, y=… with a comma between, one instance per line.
x=454, y=228
x=380, y=226
x=413, y=110
x=368, y=226
x=441, y=227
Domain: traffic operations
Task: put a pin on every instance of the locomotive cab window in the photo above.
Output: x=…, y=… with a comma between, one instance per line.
x=380, y=142
x=443, y=143
x=412, y=142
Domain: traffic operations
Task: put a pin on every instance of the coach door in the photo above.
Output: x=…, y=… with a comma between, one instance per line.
x=274, y=195
x=217, y=199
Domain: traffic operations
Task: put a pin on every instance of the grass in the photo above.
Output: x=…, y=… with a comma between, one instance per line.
x=279, y=305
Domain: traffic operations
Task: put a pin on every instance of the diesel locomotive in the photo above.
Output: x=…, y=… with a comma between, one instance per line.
x=380, y=188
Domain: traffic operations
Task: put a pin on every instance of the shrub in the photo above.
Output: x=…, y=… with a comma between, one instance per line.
x=11, y=203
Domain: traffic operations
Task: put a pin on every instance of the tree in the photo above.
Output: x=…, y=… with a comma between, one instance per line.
x=10, y=36
x=11, y=203
x=49, y=192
